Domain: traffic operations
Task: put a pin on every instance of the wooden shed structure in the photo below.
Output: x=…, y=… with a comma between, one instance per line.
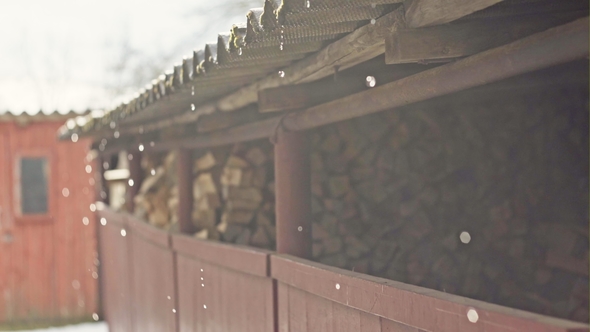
x=48, y=270
x=330, y=165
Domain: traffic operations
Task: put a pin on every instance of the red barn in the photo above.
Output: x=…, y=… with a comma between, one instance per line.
x=48, y=262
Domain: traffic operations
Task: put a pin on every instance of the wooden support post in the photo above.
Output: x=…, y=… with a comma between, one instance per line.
x=293, y=194
x=101, y=188
x=135, y=178
x=185, y=190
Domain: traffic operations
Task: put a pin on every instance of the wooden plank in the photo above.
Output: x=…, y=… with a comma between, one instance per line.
x=422, y=13
x=148, y=232
x=449, y=41
x=184, y=166
x=411, y=305
x=241, y=258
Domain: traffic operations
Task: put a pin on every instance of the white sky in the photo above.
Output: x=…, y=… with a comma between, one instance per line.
x=56, y=54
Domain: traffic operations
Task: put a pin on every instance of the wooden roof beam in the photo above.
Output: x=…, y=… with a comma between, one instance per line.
x=460, y=39
x=422, y=13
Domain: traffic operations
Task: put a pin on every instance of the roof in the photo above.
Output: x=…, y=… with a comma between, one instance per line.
x=289, y=42
x=24, y=117
x=272, y=37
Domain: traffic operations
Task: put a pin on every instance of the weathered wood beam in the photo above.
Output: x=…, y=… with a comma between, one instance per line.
x=444, y=42
x=134, y=182
x=184, y=166
x=354, y=80
x=422, y=13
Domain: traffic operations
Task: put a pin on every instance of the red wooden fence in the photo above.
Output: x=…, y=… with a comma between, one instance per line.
x=156, y=282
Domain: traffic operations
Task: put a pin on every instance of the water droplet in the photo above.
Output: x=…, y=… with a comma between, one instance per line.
x=281, y=74
x=201, y=270
x=76, y=284
x=103, y=221
x=192, y=90
x=103, y=194
x=168, y=297
x=202, y=285
x=81, y=303
x=370, y=81
x=74, y=138
x=96, y=262
x=465, y=237
x=92, y=207
x=281, y=47
x=307, y=4
x=337, y=286
x=472, y=315
x=91, y=181
x=130, y=157
x=85, y=221
x=152, y=144
x=300, y=228
x=113, y=124
x=105, y=165
x=101, y=147
x=103, y=141
x=202, y=278
x=140, y=147
x=193, y=107
x=95, y=316
x=174, y=310
x=240, y=51
x=116, y=134
x=141, y=129
x=373, y=21
x=204, y=306
x=153, y=172
x=130, y=182
x=65, y=192
x=123, y=233
x=88, y=169
x=94, y=275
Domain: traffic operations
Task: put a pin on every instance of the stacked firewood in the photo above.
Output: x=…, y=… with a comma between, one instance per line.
x=233, y=194
x=157, y=199
x=488, y=200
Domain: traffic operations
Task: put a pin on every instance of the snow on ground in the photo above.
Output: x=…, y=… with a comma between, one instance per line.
x=87, y=327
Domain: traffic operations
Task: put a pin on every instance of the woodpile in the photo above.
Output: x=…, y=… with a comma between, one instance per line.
x=157, y=200
x=487, y=199
x=233, y=194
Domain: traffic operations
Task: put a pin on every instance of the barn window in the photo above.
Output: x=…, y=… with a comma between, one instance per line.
x=34, y=173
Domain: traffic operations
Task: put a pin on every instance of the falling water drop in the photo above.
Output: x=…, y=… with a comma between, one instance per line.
x=168, y=297
x=370, y=81
x=65, y=192
x=92, y=207
x=105, y=165
x=193, y=107
x=152, y=144
x=307, y=4
x=112, y=124
x=75, y=284
x=94, y=275
x=74, y=138
x=240, y=51
x=103, y=221
x=472, y=315
x=85, y=221
x=300, y=228
x=337, y=286
x=153, y=172
x=131, y=182
x=123, y=233
x=192, y=90
x=204, y=306
x=95, y=316
x=202, y=285
x=116, y=134
x=174, y=310
x=88, y=169
x=141, y=129
x=373, y=21
x=130, y=157
x=281, y=74
x=140, y=147
x=103, y=141
x=465, y=237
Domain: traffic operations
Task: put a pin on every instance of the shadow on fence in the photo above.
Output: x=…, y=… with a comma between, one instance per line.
x=154, y=281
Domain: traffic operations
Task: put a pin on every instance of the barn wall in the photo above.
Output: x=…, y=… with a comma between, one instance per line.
x=393, y=192
x=48, y=267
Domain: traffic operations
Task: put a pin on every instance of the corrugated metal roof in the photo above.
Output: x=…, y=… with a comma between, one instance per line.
x=9, y=116
x=274, y=36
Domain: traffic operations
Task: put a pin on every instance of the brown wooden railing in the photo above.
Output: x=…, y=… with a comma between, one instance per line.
x=153, y=281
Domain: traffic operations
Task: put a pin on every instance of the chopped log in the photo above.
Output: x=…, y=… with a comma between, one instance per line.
x=256, y=156
x=236, y=162
x=422, y=13
x=567, y=263
x=237, y=217
x=203, y=185
x=449, y=41
x=247, y=194
x=231, y=176
x=205, y=162
x=260, y=238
